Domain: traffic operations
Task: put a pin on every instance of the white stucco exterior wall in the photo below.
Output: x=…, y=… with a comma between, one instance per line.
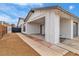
x=52, y=22
x=20, y=23
x=31, y=28
x=37, y=14
x=66, y=28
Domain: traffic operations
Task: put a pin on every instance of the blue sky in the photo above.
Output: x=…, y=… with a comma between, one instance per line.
x=10, y=12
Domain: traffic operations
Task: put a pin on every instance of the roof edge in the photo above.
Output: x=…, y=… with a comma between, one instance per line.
x=58, y=7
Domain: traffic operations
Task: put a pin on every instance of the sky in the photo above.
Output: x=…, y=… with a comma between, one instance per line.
x=10, y=12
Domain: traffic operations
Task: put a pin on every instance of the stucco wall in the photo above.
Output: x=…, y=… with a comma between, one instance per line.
x=32, y=28
x=20, y=23
x=65, y=28
x=52, y=27
x=37, y=14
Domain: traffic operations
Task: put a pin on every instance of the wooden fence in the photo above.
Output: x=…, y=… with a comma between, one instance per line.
x=3, y=30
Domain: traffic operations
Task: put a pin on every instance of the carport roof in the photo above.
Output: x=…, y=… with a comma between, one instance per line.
x=42, y=8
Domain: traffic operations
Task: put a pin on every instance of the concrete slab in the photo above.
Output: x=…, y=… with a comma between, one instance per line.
x=42, y=49
x=69, y=48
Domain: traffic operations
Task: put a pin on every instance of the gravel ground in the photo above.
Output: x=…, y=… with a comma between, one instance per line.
x=13, y=45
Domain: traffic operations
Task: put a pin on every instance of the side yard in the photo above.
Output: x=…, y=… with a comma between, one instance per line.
x=17, y=44
x=12, y=44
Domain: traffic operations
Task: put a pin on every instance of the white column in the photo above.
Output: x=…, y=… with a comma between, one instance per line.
x=52, y=24
x=71, y=28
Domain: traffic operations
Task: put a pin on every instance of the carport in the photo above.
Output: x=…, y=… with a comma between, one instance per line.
x=37, y=28
x=53, y=24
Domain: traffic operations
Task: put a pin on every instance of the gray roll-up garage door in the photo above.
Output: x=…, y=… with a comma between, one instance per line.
x=75, y=29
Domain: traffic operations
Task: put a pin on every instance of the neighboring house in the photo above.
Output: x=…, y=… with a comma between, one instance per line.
x=52, y=22
x=20, y=22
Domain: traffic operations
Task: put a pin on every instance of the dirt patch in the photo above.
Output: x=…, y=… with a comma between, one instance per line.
x=12, y=44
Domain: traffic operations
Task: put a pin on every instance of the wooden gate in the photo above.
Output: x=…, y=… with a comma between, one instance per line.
x=3, y=30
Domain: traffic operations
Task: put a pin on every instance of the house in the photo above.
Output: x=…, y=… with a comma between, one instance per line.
x=53, y=23
x=20, y=22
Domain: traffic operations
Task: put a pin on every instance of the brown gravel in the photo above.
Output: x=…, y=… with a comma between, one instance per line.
x=13, y=45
